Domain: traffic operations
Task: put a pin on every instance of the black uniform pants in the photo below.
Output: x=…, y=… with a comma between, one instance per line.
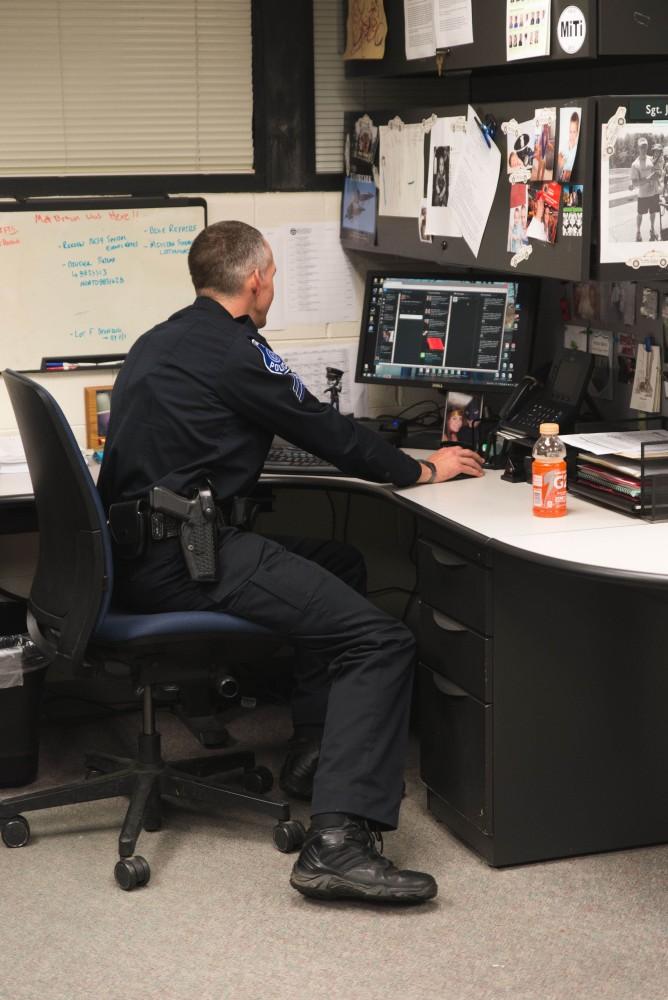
x=355, y=664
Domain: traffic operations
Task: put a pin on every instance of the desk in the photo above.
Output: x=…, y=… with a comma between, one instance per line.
x=542, y=683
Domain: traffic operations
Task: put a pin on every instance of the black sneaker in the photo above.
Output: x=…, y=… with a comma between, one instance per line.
x=343, y=862
x=299, y=768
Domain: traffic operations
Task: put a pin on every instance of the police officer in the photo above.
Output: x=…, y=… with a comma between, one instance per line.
x=198, y=401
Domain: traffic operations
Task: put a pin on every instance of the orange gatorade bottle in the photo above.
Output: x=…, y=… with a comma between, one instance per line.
x=548, y=473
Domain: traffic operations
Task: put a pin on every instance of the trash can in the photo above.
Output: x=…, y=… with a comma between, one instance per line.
x=22, y=672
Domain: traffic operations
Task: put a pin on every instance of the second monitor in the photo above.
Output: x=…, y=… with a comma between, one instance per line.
x=434, y=330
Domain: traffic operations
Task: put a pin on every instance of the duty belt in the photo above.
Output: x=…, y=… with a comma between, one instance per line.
x=194, y=521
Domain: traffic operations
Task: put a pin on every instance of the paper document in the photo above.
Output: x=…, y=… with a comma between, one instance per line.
x=401, y=174
x=12, y=455
x=625, y=443
x=646, y=394
x=445, y=144
x=475, y=181
x=319, y=278
x=454, y=23
x=419, y=29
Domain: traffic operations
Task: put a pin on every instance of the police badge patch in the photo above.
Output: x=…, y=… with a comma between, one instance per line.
x=275, y=364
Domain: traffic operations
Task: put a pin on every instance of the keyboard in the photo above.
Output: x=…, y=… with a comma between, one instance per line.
x=288, y=459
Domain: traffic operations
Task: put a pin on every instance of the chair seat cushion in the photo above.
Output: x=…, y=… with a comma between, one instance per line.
x=119, y=627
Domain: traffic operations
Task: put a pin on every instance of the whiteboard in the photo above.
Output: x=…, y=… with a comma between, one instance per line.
x=89, y=277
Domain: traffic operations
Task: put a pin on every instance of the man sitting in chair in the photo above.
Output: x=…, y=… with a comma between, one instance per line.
x=196, y=405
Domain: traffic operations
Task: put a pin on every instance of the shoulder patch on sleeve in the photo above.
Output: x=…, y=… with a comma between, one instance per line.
x=273, y=362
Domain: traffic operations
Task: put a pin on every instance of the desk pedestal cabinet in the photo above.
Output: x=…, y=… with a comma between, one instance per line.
x=543, y=701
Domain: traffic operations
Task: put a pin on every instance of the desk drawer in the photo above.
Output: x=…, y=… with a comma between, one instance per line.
x=455, y=747
x=455, y=652
x=454, y=585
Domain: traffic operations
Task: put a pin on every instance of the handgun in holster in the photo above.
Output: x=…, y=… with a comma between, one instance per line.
x=197, y=532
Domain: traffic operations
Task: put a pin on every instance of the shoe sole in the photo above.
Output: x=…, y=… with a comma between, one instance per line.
x=335, y=887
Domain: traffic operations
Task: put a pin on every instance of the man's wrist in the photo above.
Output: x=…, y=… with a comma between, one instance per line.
x=432, y=472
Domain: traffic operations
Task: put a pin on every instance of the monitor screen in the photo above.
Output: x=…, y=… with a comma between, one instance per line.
x=434, y=330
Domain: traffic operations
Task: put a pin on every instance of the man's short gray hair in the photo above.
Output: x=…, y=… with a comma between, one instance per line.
x=224, y=254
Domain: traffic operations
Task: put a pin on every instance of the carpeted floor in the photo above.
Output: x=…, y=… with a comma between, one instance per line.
x=219, y=920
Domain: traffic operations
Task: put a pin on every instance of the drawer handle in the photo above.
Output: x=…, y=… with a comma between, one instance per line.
x=448, y=688
x=446, y=558
x=447, y=624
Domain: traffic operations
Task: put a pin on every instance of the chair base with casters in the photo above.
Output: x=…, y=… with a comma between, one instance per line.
x=147, y=780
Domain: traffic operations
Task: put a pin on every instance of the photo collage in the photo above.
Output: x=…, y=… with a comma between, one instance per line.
x=539, y=170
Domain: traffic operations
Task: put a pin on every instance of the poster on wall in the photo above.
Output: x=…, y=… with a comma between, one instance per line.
x=527, y=29
x=634, y=227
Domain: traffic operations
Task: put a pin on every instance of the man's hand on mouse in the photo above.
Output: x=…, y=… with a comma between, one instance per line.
x=451, y=462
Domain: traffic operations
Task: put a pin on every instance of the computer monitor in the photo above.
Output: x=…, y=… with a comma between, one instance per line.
x=444, y=332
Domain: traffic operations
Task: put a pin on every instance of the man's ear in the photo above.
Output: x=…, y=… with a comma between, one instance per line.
x=254, y=282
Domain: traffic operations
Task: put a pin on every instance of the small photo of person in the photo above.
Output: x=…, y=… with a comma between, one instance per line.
x=423, y=235
x=517, y=223
x=520, y=151
x=463, y=412
x=544, y=201
x=441, y=176
x=543, y=157
x=569, y=132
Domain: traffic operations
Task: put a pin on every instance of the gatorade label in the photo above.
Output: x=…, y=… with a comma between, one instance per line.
x=549, y=488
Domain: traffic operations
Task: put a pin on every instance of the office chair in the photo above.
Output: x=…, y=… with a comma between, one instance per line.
x=72, y=623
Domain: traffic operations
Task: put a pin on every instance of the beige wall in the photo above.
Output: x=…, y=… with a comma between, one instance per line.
x=262, y=211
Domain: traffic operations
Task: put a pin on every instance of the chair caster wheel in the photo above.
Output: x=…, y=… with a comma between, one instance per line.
x=289, y=836
x=132, y=872
x=258, y=780
x=16, y=832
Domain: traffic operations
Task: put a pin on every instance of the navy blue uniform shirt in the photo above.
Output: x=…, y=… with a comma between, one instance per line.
x=200, y=397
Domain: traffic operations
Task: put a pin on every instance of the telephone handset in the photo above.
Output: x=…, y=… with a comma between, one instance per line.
x=558, y=401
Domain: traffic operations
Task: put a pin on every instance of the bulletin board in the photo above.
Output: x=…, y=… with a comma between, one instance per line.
x=568, y=258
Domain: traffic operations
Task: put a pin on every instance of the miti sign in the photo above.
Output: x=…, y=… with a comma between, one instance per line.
x=571, y=29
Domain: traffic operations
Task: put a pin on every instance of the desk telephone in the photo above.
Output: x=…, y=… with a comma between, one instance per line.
x=558, y=401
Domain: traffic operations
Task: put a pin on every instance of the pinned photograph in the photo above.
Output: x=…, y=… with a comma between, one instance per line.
x=649, y=303
x=634, y=223
x=601, y=346
x=587, y=300
x=544, y=139
x=359, y=146
x=463, y=413
x=358, y=210
x=543, y=211
x=440, y=186
x=570, y=121
x=518, y=219
x=424, y=236
x=571, y=210
x=520, y=146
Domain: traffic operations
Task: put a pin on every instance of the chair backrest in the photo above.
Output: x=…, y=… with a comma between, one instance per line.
x=72, y=587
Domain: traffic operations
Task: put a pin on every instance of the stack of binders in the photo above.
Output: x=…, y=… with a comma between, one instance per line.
x=626, y=484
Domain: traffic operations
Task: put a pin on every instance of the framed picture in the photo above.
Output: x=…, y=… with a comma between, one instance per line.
x=98, y=405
